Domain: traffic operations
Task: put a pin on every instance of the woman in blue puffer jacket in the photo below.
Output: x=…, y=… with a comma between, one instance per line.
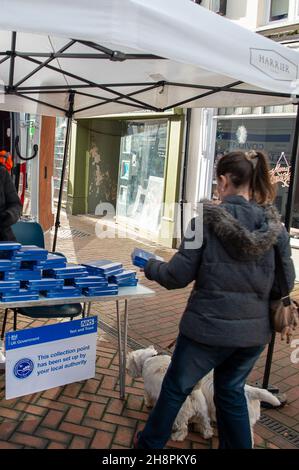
x=225, y=325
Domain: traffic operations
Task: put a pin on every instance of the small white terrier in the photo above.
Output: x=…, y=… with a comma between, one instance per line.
x=147, y=364
x=199, y=407
x=253, y=395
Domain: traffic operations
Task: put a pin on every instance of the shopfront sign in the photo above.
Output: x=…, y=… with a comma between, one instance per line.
x=273, y=64
x=49, y=356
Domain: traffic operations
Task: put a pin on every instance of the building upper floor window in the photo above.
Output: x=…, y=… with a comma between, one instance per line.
x=279, y=10
x=219, y=6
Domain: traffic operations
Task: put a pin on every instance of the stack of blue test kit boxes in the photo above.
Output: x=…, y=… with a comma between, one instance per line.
x=113, y=275
x=141, y=257
x=26, y=272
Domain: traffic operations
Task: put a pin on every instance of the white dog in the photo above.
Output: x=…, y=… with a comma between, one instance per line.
x=199, y=407
x=147, y=364
x=253, y=395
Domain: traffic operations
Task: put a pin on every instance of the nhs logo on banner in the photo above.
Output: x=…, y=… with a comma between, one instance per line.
x=50, y=356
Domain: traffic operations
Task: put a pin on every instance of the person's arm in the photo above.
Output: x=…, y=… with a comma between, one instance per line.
x=183, y=266
x=13, y=206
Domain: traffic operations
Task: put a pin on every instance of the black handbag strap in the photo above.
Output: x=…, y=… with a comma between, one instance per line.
x=281, y=277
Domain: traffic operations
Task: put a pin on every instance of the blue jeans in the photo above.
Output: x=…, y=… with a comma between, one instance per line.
x=190, y=362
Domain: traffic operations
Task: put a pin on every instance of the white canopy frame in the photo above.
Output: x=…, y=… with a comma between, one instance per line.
x=98, y=52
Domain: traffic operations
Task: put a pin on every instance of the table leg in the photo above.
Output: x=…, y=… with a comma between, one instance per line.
x=122, y=328
x=120, y=352
x=88, y=309
x=125, y=342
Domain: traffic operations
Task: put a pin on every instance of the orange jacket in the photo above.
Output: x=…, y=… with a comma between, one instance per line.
x=6, y=160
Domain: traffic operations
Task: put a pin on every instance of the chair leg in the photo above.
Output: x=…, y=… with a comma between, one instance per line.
x=15, y=314
x=4, y=323
x=71, y=318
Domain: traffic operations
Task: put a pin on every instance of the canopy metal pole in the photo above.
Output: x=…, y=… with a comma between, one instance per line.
x=65, y=156
x=12, y=58
x=185, y=167
x=290, y=200
x=288, y=222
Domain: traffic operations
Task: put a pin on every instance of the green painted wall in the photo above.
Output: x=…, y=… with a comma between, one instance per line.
x=76, y=203
x=172, y=180
x=94, y=164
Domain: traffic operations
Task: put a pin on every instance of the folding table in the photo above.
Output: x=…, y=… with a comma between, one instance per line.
x=124, y=295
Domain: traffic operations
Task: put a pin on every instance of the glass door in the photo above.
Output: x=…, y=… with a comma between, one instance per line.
x=141, y=173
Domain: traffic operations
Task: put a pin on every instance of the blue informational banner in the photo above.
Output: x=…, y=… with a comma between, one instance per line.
x=50, y=356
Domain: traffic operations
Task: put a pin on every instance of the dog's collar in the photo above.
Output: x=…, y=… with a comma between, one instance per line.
x=156, y=355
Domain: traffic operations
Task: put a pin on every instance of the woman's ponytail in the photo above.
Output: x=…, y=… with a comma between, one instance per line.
x=263, y=190
x=249, y=169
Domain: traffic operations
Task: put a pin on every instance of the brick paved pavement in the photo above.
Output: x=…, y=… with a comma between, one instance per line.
x=89, y=414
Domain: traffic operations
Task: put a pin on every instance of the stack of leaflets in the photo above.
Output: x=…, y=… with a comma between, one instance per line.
x=22, y=275
x=125, y=279
x=44, y=284
x=71, y=271
x=90, y=281
x=22, y=262
x=140, y=257
x=65, y=291
x=55, y=261
x=30, y=253
x=31, y=257
x=104, y=268
x=19, y=296
x=109, y=289
x=8, y=249
x=9, y=288
x=9, y=265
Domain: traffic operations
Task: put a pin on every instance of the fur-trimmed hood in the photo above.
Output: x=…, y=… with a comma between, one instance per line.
x=238, y=241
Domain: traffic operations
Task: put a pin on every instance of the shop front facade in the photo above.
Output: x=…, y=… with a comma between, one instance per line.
x=267, y=129
x=127, y=168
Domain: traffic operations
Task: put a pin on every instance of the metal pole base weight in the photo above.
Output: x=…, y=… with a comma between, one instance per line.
x=270, y=388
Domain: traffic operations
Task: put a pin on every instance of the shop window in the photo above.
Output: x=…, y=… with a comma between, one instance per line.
x=279, y=10
x=141, y=173
x=259, y=110
x=271, y=135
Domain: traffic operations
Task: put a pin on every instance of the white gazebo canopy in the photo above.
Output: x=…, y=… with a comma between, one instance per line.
x=116, y=56
x=84, y=58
